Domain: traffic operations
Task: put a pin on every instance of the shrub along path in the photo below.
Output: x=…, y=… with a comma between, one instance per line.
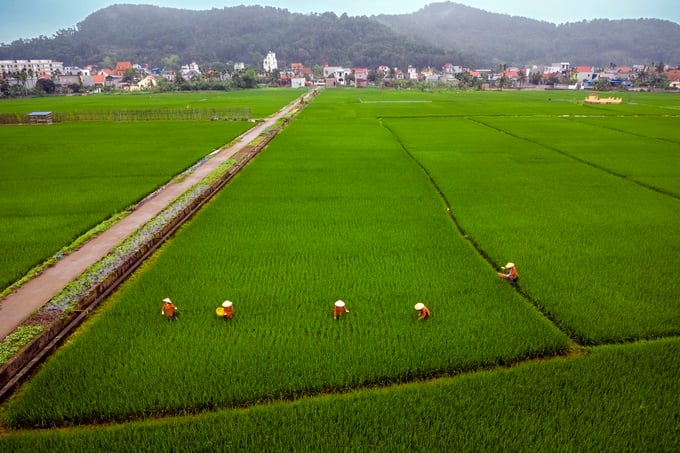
x=37, y=292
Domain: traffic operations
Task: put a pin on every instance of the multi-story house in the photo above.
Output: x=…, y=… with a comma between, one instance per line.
x=48, y=67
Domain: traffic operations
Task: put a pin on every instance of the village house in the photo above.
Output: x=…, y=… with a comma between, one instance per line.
x=147, y=82
x=94, y=82
x=190, y=71
x=301, y=70
x=385, y=71
x=336, y=75
x=585, y=74
x=66, y=80
x=412, y=73
x=360, y=77
x=298, y=82
x=121, y=67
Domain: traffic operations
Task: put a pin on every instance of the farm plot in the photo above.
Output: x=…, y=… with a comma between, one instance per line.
x=261, y=102
x=334, y=209
x=614, y=145
x=662, y=128
x=615, y=398
x=463, y=103
x=58, y=181
x=593, y=249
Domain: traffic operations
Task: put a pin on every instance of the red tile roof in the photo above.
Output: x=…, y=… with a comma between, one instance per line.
x=123, y=65
x=673, y=75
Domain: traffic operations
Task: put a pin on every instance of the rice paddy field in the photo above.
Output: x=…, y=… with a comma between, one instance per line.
x=58, y=181
x=384, y=199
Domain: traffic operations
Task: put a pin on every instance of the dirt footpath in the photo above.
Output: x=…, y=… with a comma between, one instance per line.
x=34, y=294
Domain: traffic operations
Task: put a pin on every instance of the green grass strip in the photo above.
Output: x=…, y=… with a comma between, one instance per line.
x=615, y=398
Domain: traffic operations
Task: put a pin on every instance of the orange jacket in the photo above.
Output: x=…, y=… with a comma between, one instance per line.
x=512, y=273
x=424, y=313
x=339, y=311
x=228, y=312
x=168, y=310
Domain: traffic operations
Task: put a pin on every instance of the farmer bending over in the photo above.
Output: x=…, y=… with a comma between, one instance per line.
x=227, y=310
x=339, y=309
x=168, y=309
x=510, y=273
x=423, y=311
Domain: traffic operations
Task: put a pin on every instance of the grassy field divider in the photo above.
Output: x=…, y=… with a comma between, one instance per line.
x=82, y=296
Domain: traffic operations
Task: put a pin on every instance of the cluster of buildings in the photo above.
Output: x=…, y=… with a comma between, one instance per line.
x=128, y=76
x=123, y=76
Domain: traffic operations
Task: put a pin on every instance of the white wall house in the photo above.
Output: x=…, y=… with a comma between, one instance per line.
x=297, y=82
x=562, y=68
x=269, y=64
x=338, y=73
x=191, y=68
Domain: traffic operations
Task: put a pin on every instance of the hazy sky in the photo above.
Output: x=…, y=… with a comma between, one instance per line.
x=26, y=19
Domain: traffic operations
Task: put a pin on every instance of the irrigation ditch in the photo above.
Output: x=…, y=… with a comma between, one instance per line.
x=21, y=366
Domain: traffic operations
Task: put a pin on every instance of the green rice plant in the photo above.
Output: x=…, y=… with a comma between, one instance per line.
x=499, y=103
x=337, y=208
x=662, y=128
x=70, y=177
x=593, y=249
x=333, y=209
x=614, y=398
x=628, y=149
x=260, y=102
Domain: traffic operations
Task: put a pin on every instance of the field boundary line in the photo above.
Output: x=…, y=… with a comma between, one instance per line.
x=538, y=307
x=578, y=159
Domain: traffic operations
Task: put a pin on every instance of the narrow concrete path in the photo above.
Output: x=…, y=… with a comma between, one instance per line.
x=37, y=292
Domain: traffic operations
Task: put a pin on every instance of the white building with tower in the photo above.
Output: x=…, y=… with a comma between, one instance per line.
x=269, y=64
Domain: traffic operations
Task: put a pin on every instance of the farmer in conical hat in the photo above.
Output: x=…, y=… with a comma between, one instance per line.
x=227, y=310
x=339, y=309
x=423, y=311
x=510, y=273
x=168, y=309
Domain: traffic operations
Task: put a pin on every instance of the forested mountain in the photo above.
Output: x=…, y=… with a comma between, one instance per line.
x=148, y=34
x=503, y=39
x=438, y=33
